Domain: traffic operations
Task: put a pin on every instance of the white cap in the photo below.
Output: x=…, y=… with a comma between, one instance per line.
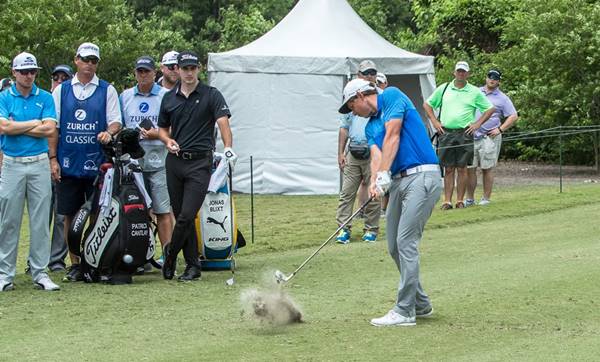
x=25, y=61
x=169, y=58
x=366, y=65
x=88, y=50
x=351, y=89
x=381, y=78
x=462, y=65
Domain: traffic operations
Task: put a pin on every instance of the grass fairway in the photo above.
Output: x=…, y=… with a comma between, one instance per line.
x=515, y=280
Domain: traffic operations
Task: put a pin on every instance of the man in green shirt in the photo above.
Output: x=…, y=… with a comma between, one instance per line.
x=457, y=102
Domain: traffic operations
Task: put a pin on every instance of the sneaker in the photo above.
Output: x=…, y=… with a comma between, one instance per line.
x=484, y=202
x=161, y=260
x=57, y=268
x=5, y=286
x=74, y=274
x=393, y=318
x=343, y=237
x=446, y=206
x=469, y=202
x=369, y=237
x=45, y=283
x=425, y=313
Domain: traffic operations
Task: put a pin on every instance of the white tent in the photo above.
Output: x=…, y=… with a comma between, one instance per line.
x=284, y=90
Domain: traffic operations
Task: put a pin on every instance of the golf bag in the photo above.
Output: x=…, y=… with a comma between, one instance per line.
x=118, y=238
x=216, y=227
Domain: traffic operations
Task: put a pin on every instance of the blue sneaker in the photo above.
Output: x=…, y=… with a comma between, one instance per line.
x=343, y=237
x=369, y=237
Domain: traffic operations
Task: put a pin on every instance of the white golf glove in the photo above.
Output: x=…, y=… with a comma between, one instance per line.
x=383, y=182
x=230, y=156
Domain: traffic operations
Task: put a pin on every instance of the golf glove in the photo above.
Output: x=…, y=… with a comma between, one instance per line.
x=383, y=182
x=230, y=156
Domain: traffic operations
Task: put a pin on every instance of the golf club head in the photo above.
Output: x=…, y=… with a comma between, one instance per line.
x=280, y=277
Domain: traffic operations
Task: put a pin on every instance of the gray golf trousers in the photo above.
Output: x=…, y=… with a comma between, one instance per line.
x=20, y=182
x=412, y=200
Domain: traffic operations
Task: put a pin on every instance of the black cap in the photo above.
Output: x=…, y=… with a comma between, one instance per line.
x=145, y=62
x=187, y=58
x=494, y=74
x=63, y=68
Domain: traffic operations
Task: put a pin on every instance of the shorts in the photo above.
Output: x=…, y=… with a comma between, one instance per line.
x=455, y=148
x=487, y=151
x=156, y=185
x=72, y=193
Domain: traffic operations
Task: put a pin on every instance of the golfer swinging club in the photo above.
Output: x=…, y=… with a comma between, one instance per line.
x=404, y=163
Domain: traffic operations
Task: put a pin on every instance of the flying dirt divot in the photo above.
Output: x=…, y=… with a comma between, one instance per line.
x=270, y=304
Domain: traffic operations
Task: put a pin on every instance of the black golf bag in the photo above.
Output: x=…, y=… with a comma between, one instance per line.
x=118, y=239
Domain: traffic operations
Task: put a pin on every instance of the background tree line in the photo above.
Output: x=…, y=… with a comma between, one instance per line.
x=547, y=49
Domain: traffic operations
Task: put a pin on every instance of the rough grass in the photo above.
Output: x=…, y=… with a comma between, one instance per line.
x=516, y=280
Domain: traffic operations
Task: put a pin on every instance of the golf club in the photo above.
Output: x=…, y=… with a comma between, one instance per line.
x=282, y=278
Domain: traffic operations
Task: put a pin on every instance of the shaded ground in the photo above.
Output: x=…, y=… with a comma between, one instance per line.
x=525, y=173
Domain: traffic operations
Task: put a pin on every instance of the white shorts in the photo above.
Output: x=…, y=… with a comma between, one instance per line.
x=487, y=151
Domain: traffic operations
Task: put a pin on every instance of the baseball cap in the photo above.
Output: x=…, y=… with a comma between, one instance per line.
x=88, y=50
x=381, y=78
x=25, y=61
x=63, y=68
x=351, y=89
x=366, y=65
x=462, y=65
x=187, y=58
x=145, y=62
x=169, y=58
x=494, y=74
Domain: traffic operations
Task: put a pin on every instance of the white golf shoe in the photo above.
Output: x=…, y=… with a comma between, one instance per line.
x=6, y=286
x=392, y=318
x=45, y=283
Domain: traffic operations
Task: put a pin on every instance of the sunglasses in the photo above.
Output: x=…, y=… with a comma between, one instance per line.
x=58, y=77
x=27, y=71
x=369, y=72
x=92, y=60
x=171, y=66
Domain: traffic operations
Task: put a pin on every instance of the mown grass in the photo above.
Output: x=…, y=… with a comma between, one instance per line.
x=513, y=281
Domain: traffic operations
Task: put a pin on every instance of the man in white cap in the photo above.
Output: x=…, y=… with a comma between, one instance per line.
x=353, y=161
x=457, y=102
x=404, y=164
x=168, y=68
x=89, y=115
x=27, y=119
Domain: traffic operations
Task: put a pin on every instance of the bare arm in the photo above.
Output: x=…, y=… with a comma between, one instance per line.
x=12, y=128
x=46, y=129
x=164, y=134
x=484, y=117
x=504, y=126
x=342, y=139
x=391, y=142
x=375, y=164
x=52, y=149
x=225, y=131
x=431, y=115
x=106, y=136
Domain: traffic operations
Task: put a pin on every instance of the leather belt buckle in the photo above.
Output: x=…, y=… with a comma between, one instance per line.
x=186, y=155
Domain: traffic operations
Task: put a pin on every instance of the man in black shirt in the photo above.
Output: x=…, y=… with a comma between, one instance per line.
x=188, y=114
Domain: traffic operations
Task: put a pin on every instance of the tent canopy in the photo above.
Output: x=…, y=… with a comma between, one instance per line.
x=284, y=90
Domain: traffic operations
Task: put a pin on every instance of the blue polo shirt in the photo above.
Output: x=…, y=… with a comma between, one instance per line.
x=415, y=148
x=38, y=105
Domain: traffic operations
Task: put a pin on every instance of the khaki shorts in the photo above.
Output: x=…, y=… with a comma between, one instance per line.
x=487, y=151
x=156, y=185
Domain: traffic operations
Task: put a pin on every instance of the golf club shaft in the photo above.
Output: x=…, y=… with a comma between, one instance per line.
x=331, y=237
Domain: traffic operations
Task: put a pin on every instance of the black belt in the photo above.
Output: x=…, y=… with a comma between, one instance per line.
x=185, y=155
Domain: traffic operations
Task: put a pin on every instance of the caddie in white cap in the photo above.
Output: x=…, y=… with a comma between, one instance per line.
x=168, y=68
x=457, y=101
x=405, y=165
x=89, y=115
x=27, y=119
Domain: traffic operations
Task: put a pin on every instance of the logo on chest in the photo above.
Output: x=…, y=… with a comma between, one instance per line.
x=144, y=107
x=80, y=114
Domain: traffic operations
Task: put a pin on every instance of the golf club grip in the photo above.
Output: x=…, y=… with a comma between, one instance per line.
x=331, y=236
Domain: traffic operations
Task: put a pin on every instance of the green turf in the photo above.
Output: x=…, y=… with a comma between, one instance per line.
x=515, y=280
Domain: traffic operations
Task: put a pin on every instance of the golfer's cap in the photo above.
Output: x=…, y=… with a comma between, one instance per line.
x=462, y=65
x=145, y=62
x=25, y=61
x=366, y=65
x=64, y=69
x=381, y=78
x=88, y=50
x=494, y=74
x=169, y=58
x=351, y=89
x=187, y=58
